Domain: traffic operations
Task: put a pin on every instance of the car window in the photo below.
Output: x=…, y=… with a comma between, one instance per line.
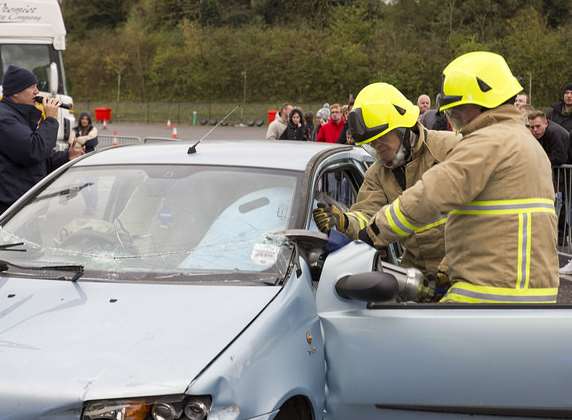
x=340, y=184
x=172, y=219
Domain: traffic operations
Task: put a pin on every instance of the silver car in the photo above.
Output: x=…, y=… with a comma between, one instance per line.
x=166, y=282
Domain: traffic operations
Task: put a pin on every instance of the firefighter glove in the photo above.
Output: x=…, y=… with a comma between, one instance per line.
x=329, y=216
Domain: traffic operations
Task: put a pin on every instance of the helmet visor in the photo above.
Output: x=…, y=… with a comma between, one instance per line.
x=359, y=130
x=444, y=100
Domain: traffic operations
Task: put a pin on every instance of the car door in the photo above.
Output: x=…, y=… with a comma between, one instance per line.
x=417, y=361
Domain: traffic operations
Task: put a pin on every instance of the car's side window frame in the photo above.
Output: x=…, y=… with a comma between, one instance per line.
x=337, y=161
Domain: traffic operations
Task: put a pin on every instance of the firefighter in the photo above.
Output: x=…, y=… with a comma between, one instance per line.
x=495, y=186
x=404, y=151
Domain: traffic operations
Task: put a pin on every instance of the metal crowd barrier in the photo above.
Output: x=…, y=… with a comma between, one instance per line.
x=108, y=141
x=158, y=140
x=563, y=205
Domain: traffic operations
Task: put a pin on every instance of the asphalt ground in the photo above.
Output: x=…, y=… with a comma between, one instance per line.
x=186, y=132
x=189, y=132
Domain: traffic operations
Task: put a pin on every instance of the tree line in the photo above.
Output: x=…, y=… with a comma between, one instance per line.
x=304, y=50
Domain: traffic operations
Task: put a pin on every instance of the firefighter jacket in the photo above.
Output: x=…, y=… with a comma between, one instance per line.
x=500, y=235
x=426, y=248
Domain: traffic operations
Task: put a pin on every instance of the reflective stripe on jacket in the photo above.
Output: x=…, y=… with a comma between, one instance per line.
x=426, y=249
x=500, y=235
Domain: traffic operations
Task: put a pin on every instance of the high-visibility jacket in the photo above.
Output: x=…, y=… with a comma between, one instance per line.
x=500, y=235
x=426, y=248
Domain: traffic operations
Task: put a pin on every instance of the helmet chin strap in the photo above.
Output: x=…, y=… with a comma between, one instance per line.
x=407, y=139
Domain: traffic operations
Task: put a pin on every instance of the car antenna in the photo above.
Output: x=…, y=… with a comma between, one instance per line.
x=193, y=148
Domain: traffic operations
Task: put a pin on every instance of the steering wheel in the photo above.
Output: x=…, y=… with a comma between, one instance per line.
x=100, y=236
x=88, y=240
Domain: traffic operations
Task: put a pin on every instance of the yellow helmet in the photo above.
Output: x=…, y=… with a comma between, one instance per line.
x=479, y=78
x=378, y=109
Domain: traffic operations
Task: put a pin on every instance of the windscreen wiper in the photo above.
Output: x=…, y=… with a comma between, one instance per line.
x=77, y=269
x=71, y=191
x=11, y=247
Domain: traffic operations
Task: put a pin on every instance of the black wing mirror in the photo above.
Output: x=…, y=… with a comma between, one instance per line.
x=373, y=286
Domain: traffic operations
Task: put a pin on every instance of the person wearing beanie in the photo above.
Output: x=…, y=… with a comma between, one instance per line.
x=561, y=112
x=27, y=140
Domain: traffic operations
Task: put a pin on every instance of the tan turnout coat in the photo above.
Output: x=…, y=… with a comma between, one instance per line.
x=425, y=249
x=500, y=236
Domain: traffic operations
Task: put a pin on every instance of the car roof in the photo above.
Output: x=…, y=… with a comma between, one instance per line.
x=289, y=155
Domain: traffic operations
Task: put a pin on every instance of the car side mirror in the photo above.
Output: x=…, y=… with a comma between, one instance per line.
x=374, y=286
x=312, y=247
x=53, y=79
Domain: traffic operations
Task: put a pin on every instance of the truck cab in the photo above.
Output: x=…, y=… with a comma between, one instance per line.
x=32, y=36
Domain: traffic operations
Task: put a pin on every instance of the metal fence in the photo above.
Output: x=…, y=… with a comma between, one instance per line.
x=105, y=141
x=187, y=112
x=158, y=140
x=563, y=205
x=109, y=141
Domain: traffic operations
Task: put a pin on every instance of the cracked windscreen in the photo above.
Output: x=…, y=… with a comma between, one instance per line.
x=158, y=221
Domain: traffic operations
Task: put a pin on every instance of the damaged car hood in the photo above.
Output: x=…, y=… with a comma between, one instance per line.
x=62, y=343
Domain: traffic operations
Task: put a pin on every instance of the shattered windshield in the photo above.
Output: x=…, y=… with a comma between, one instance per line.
x=158, y=221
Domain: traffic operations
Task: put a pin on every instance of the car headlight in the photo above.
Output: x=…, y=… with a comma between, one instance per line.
x=174, y=407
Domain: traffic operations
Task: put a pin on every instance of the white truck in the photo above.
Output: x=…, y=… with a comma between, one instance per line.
x=33, y=36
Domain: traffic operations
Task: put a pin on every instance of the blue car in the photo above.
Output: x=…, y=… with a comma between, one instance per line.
x=154, y=282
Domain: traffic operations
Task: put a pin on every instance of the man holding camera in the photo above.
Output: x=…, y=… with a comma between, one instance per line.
x=27, y=138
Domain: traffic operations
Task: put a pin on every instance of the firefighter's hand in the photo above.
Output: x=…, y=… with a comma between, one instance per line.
x=442, y=280
x=51, y=107
x=327, y=217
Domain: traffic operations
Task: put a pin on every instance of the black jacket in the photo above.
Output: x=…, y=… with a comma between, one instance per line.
x=432, y=119
x=555, y=142
x=294, y=133
x=26, y=150
x=560, y=117
x=343, y=139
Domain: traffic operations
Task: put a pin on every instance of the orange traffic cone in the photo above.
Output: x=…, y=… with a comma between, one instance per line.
x=114, y=141
x=168, y=123
x=174, y=132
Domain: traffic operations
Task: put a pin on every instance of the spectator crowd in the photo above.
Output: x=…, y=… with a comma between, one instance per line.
x=552, y=127
x=328, y=125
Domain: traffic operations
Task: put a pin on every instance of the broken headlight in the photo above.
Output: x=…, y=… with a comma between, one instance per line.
x=174, y=407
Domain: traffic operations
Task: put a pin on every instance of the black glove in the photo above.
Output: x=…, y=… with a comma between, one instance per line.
x=364, y=236
x=327, y=217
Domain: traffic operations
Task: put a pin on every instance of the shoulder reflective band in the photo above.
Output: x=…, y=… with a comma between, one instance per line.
x=360, y=217
x=499, y=207
x=401, y=226
x=471, y=293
